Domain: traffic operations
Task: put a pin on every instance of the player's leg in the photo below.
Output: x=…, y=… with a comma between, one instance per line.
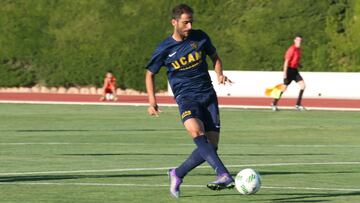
x=302, y=86
x=114, y=97
x=289, y=78
x=301, y=83
x=211, y=119
x=206, y=142
x=195, y=128
x=187, y=110
x=224, y=180
x=195, y=159
x=176, y=175
x=274, y=104
x=213, y=138
x=103, y=96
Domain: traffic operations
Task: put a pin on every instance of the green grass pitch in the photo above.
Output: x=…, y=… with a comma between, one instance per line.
x=81, y=153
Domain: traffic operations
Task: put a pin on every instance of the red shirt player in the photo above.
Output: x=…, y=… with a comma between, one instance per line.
x=109, y=87
x=291, y=72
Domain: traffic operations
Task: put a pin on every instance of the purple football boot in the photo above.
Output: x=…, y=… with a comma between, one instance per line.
x=224, y=181
x=175, y=183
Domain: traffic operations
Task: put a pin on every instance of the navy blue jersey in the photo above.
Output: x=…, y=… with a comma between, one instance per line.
x=187, y=70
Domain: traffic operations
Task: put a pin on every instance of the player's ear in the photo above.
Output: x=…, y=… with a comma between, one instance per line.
x=173, y=22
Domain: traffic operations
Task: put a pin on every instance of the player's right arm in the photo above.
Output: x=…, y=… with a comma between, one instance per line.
x=102, y=98
x=288, y=55
x=106, y=83
x=153, y=108
x=285, y=67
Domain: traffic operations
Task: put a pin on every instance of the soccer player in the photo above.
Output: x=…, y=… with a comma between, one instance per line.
x=109, y=87
x=184, y=55
x=291, y=72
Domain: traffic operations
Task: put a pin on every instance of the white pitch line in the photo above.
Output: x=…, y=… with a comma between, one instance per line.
x=83, y=103
x=297, y=164
x=166, y=168
x=87, y=171
x=91, y=184
x=166, y=185
x=170, y=105
x=98, y=184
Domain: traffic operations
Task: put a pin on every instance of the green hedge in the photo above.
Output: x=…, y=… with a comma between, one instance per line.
x=74, y=42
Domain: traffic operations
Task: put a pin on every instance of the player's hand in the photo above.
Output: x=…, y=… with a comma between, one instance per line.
x=154, y=110
x=222, y=79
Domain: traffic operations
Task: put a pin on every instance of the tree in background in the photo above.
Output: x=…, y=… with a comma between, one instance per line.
x=72, y=43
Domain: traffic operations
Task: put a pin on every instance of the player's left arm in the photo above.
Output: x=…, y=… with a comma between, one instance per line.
x=113, y=88
x=222, y=79
x=153, y=108
x=105, y=84
x=113, y=84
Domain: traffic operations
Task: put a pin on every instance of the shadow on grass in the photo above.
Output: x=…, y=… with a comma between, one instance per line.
x=210, y=195
x=67, y=177
x=186, y=154
x=308, y=197
x=302, y=197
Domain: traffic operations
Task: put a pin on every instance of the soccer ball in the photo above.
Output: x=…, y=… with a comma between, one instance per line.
x=248, y=181
x=109, y=96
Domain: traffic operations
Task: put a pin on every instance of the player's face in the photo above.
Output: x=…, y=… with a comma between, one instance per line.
x=183, y=25
x=108, y=75
x=297, y=41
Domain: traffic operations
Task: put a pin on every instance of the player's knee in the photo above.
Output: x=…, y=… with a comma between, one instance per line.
x=194, y=130
x=303, y=86
x=195, y=133
x=194, y=127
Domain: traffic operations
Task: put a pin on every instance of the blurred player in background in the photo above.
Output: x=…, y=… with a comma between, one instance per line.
x=109, y=88
x=291, y=72
x=184, y=55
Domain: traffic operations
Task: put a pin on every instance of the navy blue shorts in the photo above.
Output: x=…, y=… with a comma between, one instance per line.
x=202, y=107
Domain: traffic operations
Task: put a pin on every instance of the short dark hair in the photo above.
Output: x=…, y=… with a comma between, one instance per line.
x=181, y=9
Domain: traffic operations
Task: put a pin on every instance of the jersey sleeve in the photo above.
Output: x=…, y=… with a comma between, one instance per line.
x=209, y=47
x=156, y=61
x=289, y=53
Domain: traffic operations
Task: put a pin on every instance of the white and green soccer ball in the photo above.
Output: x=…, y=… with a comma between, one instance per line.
x=248, y=181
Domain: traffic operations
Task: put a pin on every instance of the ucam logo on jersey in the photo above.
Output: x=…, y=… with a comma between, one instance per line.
x=188, y=61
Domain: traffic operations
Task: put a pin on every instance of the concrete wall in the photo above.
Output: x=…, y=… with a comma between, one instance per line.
x=318, y=84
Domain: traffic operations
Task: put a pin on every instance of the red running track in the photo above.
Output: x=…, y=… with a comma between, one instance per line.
x=351, y=104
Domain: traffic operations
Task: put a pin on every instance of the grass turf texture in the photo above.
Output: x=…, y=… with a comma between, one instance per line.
x=63, y=141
